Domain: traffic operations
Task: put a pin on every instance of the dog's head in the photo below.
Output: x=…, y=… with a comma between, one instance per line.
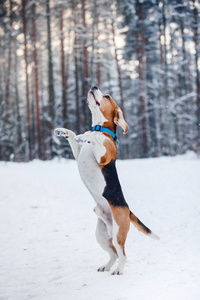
x=105, y=111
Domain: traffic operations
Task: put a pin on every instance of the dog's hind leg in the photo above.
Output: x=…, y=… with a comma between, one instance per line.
x=105, y=241
x=105, y=218
x=121, y=225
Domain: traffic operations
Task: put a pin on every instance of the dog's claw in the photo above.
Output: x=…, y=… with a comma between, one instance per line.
x=82, y=138
x=57, y=133
x=116, y=272
x=101, y=269
x=61, y=132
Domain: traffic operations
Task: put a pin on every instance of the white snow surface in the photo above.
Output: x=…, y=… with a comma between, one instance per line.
x=48, y=248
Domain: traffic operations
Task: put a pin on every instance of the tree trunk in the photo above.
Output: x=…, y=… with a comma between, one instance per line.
x=9, y=58
x=161, y=90
x=165, y=86
x=196, y=42
x=34, y=39
x=143, y=118
x=7, y=105
x=85, y=84
x=98, y=57
x=74, y=7
x=126, y=152
x=63, y=73
x=28, y=127
x=17, y=128
x=50, y=76
x=118, y=71
x=50, y=66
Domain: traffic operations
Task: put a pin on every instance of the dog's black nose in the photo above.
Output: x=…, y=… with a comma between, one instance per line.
x=94, y=88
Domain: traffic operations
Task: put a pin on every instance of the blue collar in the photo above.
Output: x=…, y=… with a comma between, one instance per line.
x=104, y=129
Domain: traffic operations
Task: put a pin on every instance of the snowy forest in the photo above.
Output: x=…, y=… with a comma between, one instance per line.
x=144, y=53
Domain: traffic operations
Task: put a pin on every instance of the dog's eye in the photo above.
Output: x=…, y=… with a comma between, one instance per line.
x=107, y=97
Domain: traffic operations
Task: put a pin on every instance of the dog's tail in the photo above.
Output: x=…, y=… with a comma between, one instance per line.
x=141, y=227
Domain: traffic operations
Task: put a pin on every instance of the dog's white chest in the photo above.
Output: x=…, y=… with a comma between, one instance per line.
x=90, y=172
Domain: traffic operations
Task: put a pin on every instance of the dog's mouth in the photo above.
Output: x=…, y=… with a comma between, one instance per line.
x=92, y=93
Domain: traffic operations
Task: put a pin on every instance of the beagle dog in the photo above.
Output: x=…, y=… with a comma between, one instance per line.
x=95, y=152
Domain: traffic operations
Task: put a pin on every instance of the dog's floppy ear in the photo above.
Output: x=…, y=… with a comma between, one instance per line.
x=119, y=120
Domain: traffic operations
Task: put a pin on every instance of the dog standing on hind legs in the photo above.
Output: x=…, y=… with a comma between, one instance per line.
x=95, y=152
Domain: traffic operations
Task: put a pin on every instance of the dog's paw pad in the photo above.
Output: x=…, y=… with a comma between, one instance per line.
x=78, y=140
x=81, y=138
x=61, y=132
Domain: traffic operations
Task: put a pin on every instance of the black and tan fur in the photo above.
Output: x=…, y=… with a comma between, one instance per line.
x=96, y=155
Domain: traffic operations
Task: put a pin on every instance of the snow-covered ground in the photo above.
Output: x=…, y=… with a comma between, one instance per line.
x=47, y=232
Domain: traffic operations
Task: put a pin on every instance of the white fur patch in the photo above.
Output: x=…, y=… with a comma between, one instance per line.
x=89, y=170
x=96, y=141
x=105, y=218
x=99, y=149
x=97, y=116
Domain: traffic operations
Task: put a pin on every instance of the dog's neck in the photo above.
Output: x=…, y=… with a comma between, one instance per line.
x=99, y=119
x=105, y=130
x=110, y=125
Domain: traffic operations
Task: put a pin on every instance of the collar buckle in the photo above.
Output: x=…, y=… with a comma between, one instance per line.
x=97, y=128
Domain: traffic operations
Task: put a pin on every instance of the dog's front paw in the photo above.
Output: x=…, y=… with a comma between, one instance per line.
x=81, y=138
x=61, y=132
